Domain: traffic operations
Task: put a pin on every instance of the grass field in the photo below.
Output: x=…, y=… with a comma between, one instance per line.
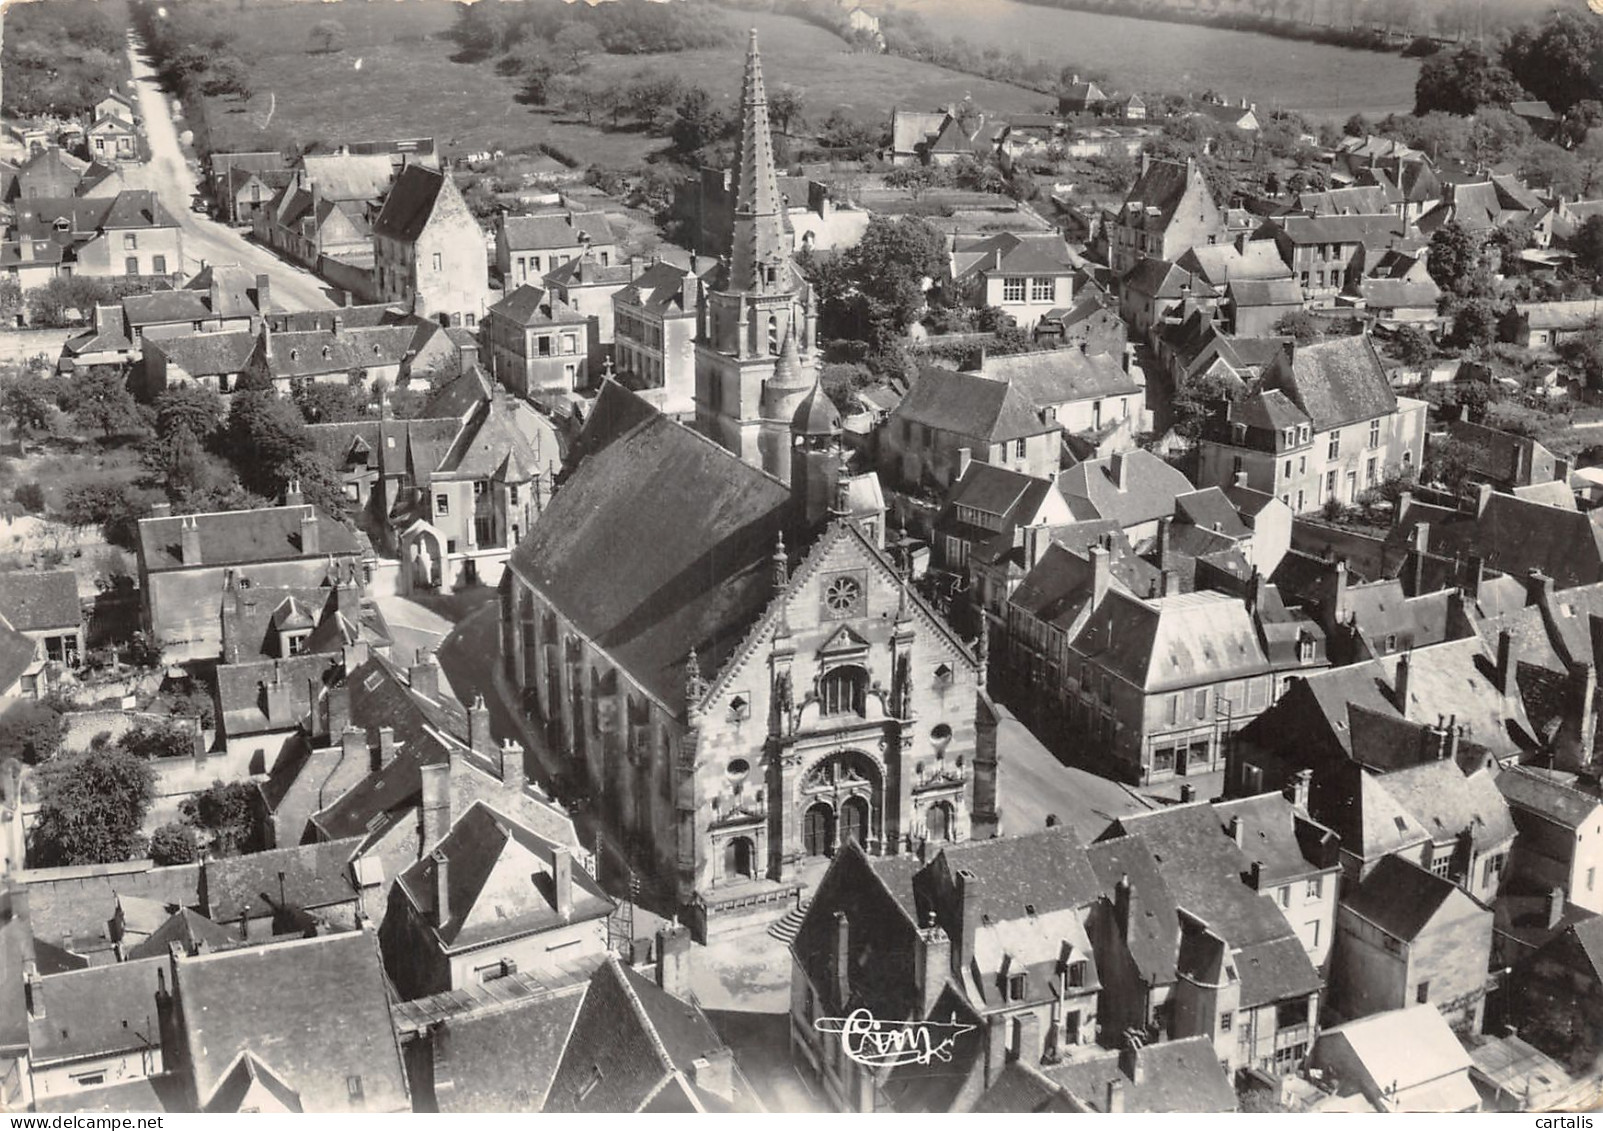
x=394, y=77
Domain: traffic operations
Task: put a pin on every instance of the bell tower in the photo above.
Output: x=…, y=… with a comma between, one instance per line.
x=755, y=357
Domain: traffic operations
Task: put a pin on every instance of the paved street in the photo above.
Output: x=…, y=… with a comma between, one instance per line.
x=205, y=240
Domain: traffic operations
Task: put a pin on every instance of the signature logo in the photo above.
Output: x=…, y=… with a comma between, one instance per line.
x=881, y=1044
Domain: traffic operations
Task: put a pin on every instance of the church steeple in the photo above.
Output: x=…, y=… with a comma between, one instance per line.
x=759, y=260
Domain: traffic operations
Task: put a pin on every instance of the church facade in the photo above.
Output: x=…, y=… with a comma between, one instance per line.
x=756, y=355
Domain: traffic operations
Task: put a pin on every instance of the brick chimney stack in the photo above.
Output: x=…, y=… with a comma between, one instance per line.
x=562, y=881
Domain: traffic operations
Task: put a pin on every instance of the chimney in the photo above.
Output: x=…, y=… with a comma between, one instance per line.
x=1130, y=1063
x=309, y=538
x=1296, y=788
x=1121, y=904
x=1163, y=541
x=1507, y=663
x=338, y=324
x=1115, y=1097
x=425, y=675
x=1401, y=688
x=1555, y=907
x=264, y=293
x=1171, y=583
x=338, y=702
x=1255, y=877
x=33, y=989
x=353, y=742
x=673, y=960
x=442, y=889
x=1241, y=479
x=189, y=540
x=965, y=456
x=25, y=250
x=1101, y=574
x=1236, y=830
x=1119, y=467
x=386, y=746
x=215, y=294
x=562, y=881
x=292, y=494
x=436, y=802
x=278, y=699
x=968, y=915
x=995, y=1048
x=1028, y=1046
x=840, y=966
x=1483, y=495
x=479, y=729
x=513, y=774
x=1579, y=730
x=1538, y=588
x=1473, y=576
x=714, y=1073
x=936, y=947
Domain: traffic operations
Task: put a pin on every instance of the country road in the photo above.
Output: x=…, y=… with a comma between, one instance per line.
x=205, y=240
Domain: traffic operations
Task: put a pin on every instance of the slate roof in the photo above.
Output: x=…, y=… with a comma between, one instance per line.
x=1161, y=186
x=1221, y=263
x=1447, y=801
x=1020, y=1089
x=458, y=396
x=1159, y=278
x=587, y=270
x=1173, y=642
x=505, y=438
x=137, y=208
x=1150, y=486
x=146, y=1094
x=1264, y=292
x=185, y=926
x=1371, y=231
x=1057, y=589
x=1400, y=294
x=45, y=253
x=348, y=176
x=1435, y=1053
x=659, y=288
x=913, y=128
x=1574, y=314
x=167, y=306
x=1401, y=898
x=248, y=1074
x=1548, y=794
x=1154, y=936
x=257, y=884
x=504, y=1059
x=307, y=353
x=1278, y=836
x=206, y=354
x=533, y=306
x=1031, y=253
x=658, y=578
x=535, y=233
x=500, y=883
x=1336, y=382
x=1513, y=535
x=1176, y=1076
x=80, y=907
x=997, y=490
x=267, y=534
x=1211, y=509
x=97, y=1011
x=409, y=203
x=33, y=601
x=1056, y=377
x=970, y=406
x=276, y=1002
x=1047, y=870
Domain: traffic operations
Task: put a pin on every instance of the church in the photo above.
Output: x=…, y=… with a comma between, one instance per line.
x=756, y=354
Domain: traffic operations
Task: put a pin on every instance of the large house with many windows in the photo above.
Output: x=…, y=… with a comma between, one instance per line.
x=1168, y=210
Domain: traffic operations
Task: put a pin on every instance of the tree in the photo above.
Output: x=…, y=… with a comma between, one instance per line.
x=1462, y=82
x=11, y=303
x=227, y=75
x=574, y=42
x=193, y=407
x=115, y=506
x=1587, y=244
x=228, y=813
x=98, y=399
x=1449, y=462
x=1559, y=61
x=538, y=71
x=785, y=107
x=1584, y=351
x=91, y=806
x=150, y=740
x=1453, y=256
x=173, y=843
x=1197, y=400
x=330, y=404
x=696, y=123
x=1475, y=321
x=1300, y=326
x=1356, y=126
x=847, y=138
x=327, y=36
x=873, y=291
x=265, y=433
x=1414, y=346
x=26, y=403
x=915, y=180
x=31, y=732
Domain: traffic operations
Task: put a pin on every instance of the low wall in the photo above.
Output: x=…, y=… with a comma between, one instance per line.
x=356, y=279
x=20, y=345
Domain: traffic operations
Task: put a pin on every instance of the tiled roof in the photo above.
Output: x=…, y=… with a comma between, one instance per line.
x=266, y=534
x=505, y=438
x=1400, y=294
x=504, y=1059
x=1046, y=870
x=534, y=233
x=237, y=295
x=32, y=601
x=348, y=176
x=459, y=396
x=1268, y=410
x=1174, y=642
x=1031, y=253
x=587, y=270
x=137, y=208
x=1176, y=1076
x=531, y=306
x=1021, y=1089
x=184, y=926
x=1055, y=377
x=409, y=203
x=913, y=128
x=1158, y=278
x=969, y=405
x=1401, y=898
x=1447, y=802
x=1337, y=382
x=1357, y=200
x=500, y=881
x=1149, y=490
x=316, y=1010
x=306, y=876
x=1275, y=834
x=1548, y=794
x=1514, y=536
x=1371, y=231
x=1264, y=292
x=242, y=692
x=618, y=554
x=306, y=353
x=1153, y=938
x=1435, y=1052
x=97, y=1011
x=1574, y=314
x=207, y=353
x=166, y=306
x=1211, y=509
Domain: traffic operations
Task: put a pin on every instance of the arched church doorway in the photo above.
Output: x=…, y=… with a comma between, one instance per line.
x=740, y=858
x=818, y=829
x=854, y=821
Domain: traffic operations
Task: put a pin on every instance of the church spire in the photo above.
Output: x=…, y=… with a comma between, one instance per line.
x=759, y=259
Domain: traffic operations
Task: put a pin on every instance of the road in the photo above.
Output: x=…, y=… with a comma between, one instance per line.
x=205, y=240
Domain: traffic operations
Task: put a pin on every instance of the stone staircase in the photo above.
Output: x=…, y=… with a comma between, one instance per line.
x=784, y=929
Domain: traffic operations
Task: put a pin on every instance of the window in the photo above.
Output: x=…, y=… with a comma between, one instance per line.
x=1236, y=465
x=158, y=265
x=1043, y=288
x=1018, y=448
x=89, y=1079
x=353, y=1088
x=1284, y=896
x=1015, y=987
x=1494, y=868
x=478, y=487
x=469, y=318
x=1013, y=289
x=1591, y=875
x=1371, y=471
x=1312, y=926
x=442, y=505
x=1441, y=865
x=436, y=261
x=1316, y=887
x=1288, y=469
x=1305, y=650
x=1226, y=1019
x=129, y=241
x=1077, y=973
x=1374, y=433
x=1330, y=485
x=570, y=343
x=1201, y=704
x=512, y=494
x=1163, y=760
x=1422, y=992
x=1335, y=446
x=1303, y=433
x=131, y=265
x=841, y=691
x=1174, y=709
x=1302, y=465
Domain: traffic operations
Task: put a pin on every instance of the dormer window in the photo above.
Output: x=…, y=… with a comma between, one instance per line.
x=1077, y=973
x=1015, y=987
x=1302, y=434
x=1291, y=437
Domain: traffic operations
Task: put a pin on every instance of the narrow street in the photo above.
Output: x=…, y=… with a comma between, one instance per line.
x=205, y=240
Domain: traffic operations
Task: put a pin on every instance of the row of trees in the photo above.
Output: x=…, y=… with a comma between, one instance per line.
x=195, y=50
x=633, y=28
x=1555, y=61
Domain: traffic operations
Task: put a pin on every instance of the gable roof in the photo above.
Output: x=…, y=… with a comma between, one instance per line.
x=1034, y=253
x=969, y=405
x=1336, y=382
x=206, y=354
x=1434, y=1051
x=564, y=229
x=264, y=1001
x=1160, y=189
x=348, y=176
x=503, y=1057
x=529, y=305
x=1549, y=794
x=1264, y=292
x=1175, y=1076
x=1446, y=801
x=410, y=202
x=260, y=884
x=33, y=601
x=619, y=554
x=1055, y=377
x=97, y=1011
x=1147, y=492
x=1401, y=898
x=1173, y=642
x=265, y=534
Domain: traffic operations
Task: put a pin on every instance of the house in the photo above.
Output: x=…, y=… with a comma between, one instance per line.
x=1092, y=324
x=1505, y=460
x=912, y=133
x=1130, y=108
x=1510, y=534
x=1323, y=425
x=186, y=560
x=527, y=248
x=284, y=891
x=49, y=174
x=243, y=194
x=1168, y=210
x=286, y=360
x=1546, y=325
x=1296, y=858
x=44, y=607
x=1133, y=489
x=949, y=418
x=221, y=297
x=237, y=167
x=1081, y=98
x=1218, y=264
x=130, y=235
x=1326, y=254
x=428, y=250
x=1558, y=994
x=326, y=208
x=92, y=1026
x=1484, y=203
x=491, y=898
x=1361, y=1058
x=1401, y=302
x=235, y=1029
x=1553, y=814
x=1354, y=200
x=989, y=532
x=1189, y=947
x=114, y=102
x=1023, y=274
x=1083, y=392
x=587, y=286
x=113, y=138
x=614, y=1041
x=1256, y=305
x=538, y=343
x=654, y=322
x=675, y=667
x=214, y=361
x=1155, y=292
x=1243, y=116
x=1407, y=937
